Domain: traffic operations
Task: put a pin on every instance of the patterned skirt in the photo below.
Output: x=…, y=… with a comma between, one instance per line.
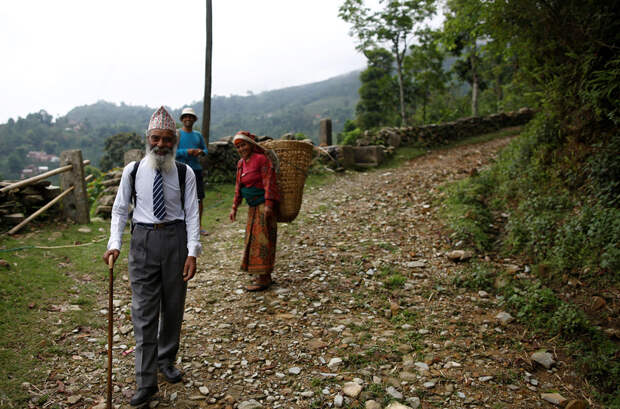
x=259, y=253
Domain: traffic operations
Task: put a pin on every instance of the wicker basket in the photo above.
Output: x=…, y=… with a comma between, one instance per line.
x=295, y=157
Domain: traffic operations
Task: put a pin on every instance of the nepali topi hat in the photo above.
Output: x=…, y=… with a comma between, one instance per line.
x=161, y=119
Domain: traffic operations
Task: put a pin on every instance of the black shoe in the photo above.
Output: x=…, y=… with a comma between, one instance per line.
x=143, y=395
x=172, y=374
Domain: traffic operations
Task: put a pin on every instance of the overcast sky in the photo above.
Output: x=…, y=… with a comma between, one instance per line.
x=64, y=53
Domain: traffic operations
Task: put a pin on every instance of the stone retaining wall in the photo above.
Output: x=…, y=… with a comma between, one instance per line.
x=438, y=134
x=17, y=204
x=372, y=149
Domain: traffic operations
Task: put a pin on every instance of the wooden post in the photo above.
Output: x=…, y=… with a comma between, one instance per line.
x=325, y=132
x=75, y=206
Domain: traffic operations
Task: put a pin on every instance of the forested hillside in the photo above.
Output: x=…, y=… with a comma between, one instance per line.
x=294, y=109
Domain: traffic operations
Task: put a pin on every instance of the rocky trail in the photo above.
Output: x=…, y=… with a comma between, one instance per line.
x=363, y=312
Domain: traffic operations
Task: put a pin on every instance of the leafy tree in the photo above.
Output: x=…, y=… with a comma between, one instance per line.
x=16, y=162
x=115, y=147
x=463, y=35
x=424, y=64
x=394, y=24
x=50, y=147
x=568, y=49
x=377, y=97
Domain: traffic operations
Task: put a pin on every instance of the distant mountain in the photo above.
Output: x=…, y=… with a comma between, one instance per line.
x=296, y=109
x=293, y=109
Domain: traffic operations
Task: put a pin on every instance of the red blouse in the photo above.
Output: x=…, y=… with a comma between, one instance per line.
x=257, y=172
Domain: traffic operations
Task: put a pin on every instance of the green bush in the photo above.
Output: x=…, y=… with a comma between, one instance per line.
x=467, y=212
x=562, y=200
x=590, y=238
x=476, y=277
x=349, y=138
x=603, y=169
x=533, y=304
x=569, y=321
x=597, y=356
x=395, y=281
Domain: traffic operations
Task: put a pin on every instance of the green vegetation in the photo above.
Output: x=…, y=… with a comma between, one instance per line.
x=217, y=203
x=115, y=147
x=475, y=277
x=392, y=24
x=552, y=197
x=552, y=217
x=274, y=113
x=564, y=225
x=45, y=295
x=41, y=292
x=395, y=281
x=544, y=313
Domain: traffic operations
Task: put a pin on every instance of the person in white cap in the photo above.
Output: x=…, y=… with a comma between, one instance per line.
x=191, y=147
x=162, y=257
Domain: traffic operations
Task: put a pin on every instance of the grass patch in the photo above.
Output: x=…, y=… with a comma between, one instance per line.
x=31, y=291
x=503, y=133
x=405, y=317
x=377, y=393
x=217, y=204
x=467, y=212
x=403, y=155
x=356, y=361
x=477, y=276
x=557, y=198
x=395, y=281
x=387, y=246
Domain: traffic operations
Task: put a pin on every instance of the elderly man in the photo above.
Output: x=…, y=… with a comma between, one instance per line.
x=162, y=257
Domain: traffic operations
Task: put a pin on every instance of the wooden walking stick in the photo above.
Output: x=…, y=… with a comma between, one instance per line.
x=110, y=328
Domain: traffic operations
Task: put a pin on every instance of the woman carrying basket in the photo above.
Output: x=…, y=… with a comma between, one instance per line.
x=256, y=183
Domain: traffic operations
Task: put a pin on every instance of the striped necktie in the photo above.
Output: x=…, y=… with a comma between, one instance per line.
x=159, y=207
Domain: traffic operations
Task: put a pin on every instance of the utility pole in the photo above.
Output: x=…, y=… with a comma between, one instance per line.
x=206, y=110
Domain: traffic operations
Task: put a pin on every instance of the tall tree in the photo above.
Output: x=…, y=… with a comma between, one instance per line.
x=395, y=24
x=424, y=64
x=376, y=105
x=568, y=49
x=463, y=33
x=206, y=106
x=115, y=147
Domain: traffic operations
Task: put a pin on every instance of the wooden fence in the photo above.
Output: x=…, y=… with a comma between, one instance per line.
x=72, y=184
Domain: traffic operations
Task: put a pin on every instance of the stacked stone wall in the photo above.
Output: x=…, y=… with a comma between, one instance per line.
x=220, y=165
x=17, y=204
x=439, y=134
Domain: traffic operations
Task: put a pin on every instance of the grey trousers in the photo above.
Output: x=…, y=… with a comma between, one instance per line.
x=156, y=261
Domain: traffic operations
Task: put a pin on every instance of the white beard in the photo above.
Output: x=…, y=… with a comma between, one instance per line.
x=161, y=162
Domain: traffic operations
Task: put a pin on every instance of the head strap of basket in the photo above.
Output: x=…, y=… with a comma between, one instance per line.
x=249, y=138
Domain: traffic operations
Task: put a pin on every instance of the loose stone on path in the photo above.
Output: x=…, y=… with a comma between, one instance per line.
x=544, y=358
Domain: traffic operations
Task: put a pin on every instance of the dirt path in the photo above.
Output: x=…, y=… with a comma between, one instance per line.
x=364, y=293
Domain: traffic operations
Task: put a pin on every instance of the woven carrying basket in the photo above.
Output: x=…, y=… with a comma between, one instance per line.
x=294, y=157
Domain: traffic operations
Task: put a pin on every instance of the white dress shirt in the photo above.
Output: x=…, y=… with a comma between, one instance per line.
x=143, y=212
